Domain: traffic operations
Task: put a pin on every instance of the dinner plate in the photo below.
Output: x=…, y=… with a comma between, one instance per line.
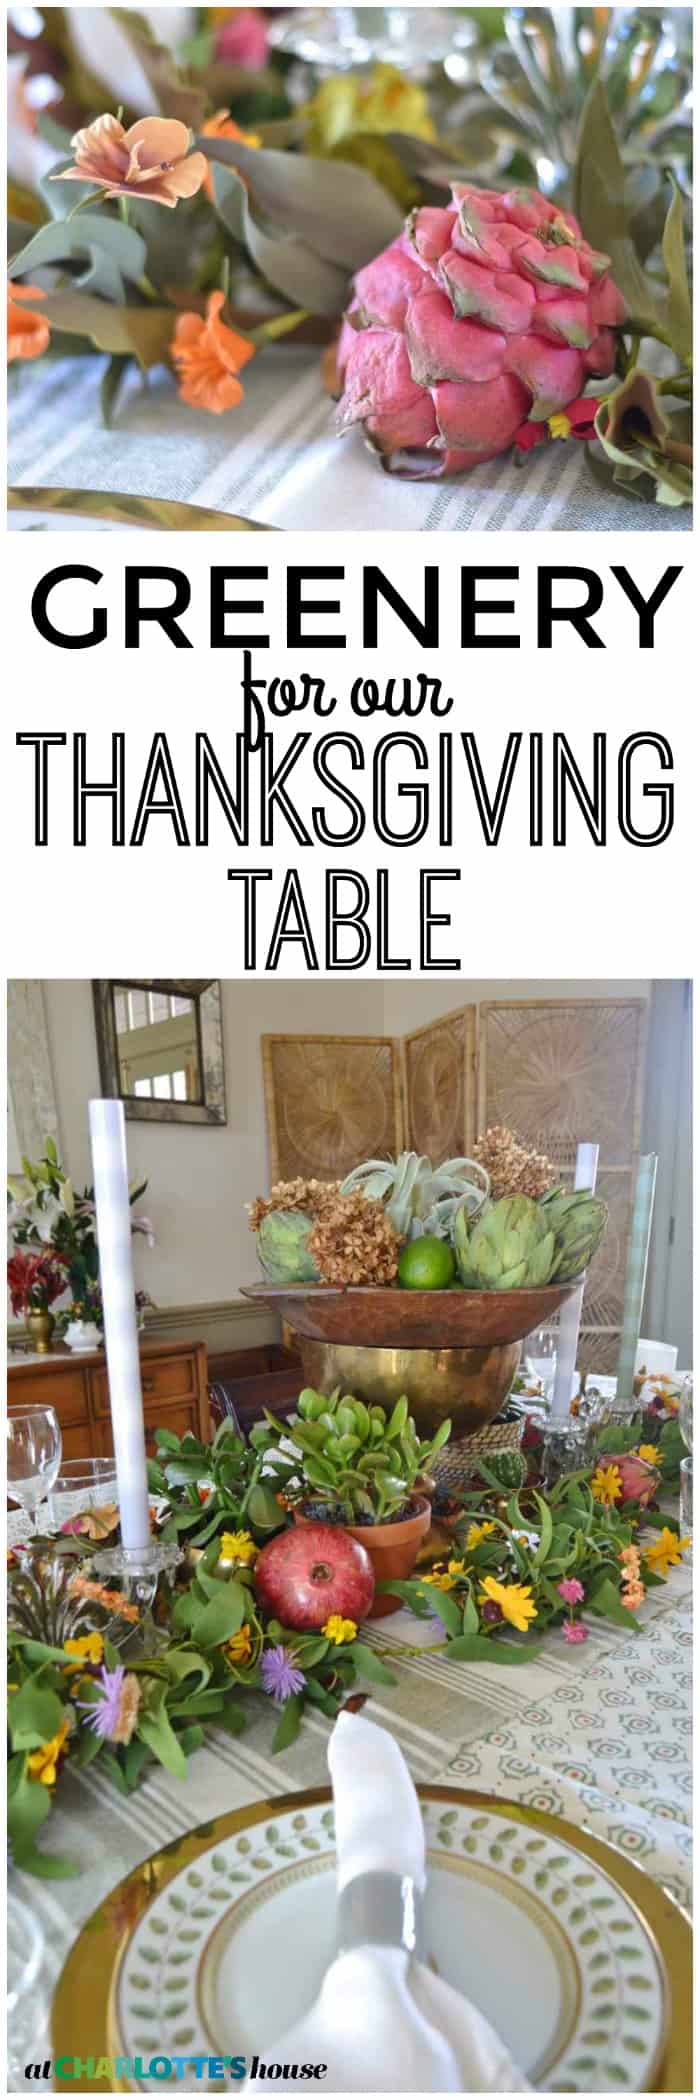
x=216, y=1945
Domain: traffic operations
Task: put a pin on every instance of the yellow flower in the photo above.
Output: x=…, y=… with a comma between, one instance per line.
x=439, y=1577
x=666, y=1551
x=515, y=1599
x=650, y=1452
x=43, y=1763
x=606, y=1485
x=456, y=1568
x=380, y=101
x=239, y=1649
x=559, y=425
x=239, y=1546
x=89, y=1649
x=339, y=1630
x=476, y=1533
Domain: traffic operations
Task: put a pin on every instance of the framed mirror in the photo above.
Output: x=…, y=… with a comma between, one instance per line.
x=160, y=1047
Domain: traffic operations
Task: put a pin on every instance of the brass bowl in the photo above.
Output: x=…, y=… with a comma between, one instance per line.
x=466, y=1386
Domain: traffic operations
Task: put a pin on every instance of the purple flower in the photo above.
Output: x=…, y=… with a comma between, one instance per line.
x=280, y=1675
x=104, y=1716
x=571, y=1590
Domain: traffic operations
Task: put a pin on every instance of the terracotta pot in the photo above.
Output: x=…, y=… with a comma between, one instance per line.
x=393, y=1551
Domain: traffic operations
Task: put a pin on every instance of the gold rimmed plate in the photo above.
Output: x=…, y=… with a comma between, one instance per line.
x=220, y=1941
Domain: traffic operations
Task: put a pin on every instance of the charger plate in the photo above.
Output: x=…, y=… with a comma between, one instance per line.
x=217, y=1943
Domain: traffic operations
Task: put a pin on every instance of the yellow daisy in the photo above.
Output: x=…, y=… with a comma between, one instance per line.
x=515, y=1600
x=666, y=1551
x=650, y=1452
x=43, y=1763
x=239, y=1649
x=238, y=1546
x=339, y=1630
x=476, y=1533
x=89, y=1649
x=606, y=1485
x=439, y=1577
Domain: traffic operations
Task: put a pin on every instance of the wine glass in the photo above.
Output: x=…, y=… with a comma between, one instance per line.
x=685, y=1410
x=541, y=1358
x=33, y=1456
x=685, y=1424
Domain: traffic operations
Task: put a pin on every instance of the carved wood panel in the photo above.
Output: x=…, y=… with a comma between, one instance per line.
x=330, y=1102
x=439, y=1064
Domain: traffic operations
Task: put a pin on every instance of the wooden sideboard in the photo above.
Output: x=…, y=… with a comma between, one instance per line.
x=174, y=1381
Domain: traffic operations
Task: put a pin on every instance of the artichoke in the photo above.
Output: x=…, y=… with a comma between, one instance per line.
x=282, y=1241
x=511, y=1246
x=417, y=1196
x=578, y=1220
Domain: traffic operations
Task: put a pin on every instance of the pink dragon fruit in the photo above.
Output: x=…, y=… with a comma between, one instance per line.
x=482, y=314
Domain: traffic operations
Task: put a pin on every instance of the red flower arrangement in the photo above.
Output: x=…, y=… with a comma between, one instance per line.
x=34, y=1280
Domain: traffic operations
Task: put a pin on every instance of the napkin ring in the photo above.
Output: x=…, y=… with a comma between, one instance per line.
x=381, y=1910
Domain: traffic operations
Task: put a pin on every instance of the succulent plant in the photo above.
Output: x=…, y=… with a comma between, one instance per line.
x=353, y=1461
x=418, y=1197
x=509, y=1247
x=578, y=1220
x=484, y=314
x=282, y=1241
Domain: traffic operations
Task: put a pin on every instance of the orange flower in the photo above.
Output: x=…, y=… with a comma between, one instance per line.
x=151, y=160
x=221, y=126
x=27, y=333
x=207, y=357
x=632, y=1595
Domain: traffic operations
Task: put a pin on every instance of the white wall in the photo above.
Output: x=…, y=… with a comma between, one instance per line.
x=199, y=1179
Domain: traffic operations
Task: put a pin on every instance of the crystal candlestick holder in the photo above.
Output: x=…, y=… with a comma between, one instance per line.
x=137, y=1570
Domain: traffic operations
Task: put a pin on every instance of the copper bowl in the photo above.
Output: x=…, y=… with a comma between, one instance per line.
x=453, y=1353
x=390, y=1318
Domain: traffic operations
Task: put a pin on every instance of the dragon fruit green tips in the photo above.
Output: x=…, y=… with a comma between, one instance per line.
x=483, y=314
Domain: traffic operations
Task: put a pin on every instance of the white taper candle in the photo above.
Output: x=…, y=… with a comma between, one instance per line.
x=585, y=1176
x=108, y=1142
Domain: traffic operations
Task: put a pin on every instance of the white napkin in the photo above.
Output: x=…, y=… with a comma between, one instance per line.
x=382, y=2022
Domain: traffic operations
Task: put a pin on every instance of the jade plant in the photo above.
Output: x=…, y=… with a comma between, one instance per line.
x=344, y=1461
x=207, y=1489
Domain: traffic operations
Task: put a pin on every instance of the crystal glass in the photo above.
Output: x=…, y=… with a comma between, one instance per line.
x=33, y=1456
x=82, y=1484
x=335, y=39
x=686, y=1507
x=685, y=1410
x=25, y=1949
x=541, y=1357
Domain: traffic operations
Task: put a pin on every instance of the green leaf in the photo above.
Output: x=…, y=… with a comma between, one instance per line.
x=34, y=1715
x=605, y=1599
x=481, y=1647
x=546, y=1533
x=143, y=332
x=397, y=1419
x=338, y=212
x=289, y=1723
x=307, y=280
x=680, y=310
x=600, y=205
x=154, y=1729
x=221, y=1617
x=263, y=1509
x=470, y=1616
x=114, y=252
x=446, y=1607
x=28, y=1806
x=370, y=1664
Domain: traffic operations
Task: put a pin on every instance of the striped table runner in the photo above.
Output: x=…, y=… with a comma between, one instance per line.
x=276, y=459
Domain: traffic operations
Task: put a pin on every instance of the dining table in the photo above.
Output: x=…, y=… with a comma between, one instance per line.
x=275, y=461
x=597, y=1733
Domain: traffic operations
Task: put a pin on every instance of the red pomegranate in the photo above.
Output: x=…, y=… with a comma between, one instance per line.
x=306, y=1574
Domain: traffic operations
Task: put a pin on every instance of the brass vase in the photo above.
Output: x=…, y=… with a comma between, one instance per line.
x=40, y=1323
x=467, y=1385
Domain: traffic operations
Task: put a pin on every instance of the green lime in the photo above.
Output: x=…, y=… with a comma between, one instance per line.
x=427, y=1264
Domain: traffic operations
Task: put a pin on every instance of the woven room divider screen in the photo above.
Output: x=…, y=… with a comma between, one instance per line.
x=555, y=1070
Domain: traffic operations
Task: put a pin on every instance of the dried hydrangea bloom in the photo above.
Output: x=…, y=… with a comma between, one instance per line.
x=514, y=1169
x=310, y=1196
x=354, y=1242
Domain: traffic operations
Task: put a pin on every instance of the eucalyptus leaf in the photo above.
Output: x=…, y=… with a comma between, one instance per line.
x=114, y=253
x=600, y=203
x=110, y=386
x=289, y=266
x=680, y=310
x=341, y=213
